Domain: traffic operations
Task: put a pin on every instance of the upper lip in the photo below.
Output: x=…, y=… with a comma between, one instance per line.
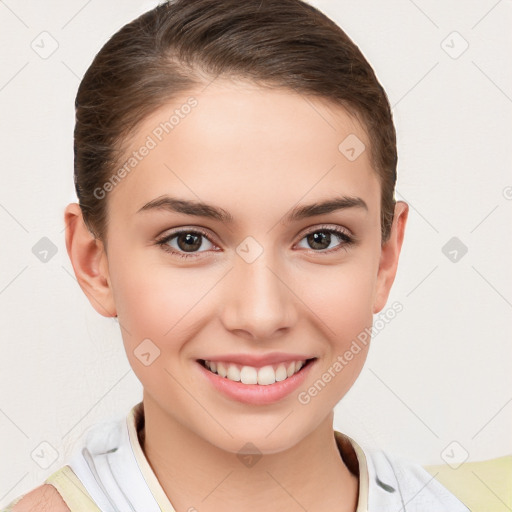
x=259, y=360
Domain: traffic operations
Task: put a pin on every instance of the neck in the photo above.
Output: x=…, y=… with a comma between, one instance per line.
x=197, y=475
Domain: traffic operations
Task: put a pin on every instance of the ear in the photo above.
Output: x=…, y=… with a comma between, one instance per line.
x=390, y=253
x=89, y=260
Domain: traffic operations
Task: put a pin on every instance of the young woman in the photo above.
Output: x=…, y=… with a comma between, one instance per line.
x=235, y=165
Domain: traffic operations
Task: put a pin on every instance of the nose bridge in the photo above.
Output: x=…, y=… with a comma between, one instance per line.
x=259, y=301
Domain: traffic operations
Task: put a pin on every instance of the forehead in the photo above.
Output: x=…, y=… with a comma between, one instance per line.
x=247, y=148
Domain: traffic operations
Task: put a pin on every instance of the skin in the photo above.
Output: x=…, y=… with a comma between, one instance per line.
x=256, y=153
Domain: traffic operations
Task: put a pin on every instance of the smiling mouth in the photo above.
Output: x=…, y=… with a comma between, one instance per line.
x=265, y=375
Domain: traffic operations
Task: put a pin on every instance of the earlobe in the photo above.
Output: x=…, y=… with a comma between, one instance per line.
x=390, y=254
x=89, y=261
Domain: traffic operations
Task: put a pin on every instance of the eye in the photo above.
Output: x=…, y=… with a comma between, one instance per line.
x=321, y=237
x=187, y=241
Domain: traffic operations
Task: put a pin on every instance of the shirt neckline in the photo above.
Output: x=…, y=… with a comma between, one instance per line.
x=135, y=423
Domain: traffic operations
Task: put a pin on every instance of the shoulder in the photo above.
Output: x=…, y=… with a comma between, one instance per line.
x=42, y=498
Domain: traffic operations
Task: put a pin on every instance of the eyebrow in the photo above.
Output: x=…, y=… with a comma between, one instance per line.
x=199, y=209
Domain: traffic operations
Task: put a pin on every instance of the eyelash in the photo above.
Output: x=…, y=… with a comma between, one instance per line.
x=347, y=240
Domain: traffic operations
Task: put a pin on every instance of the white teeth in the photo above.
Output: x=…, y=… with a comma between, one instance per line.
x=281, y=373
x=233, y=373
x=266, y=375
x=221, y=370
x=249, y=375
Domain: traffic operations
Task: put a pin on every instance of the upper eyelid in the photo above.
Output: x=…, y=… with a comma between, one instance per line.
x=326, y=227
x=172, y=234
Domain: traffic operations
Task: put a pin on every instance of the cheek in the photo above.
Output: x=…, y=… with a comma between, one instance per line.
x=341, y=296
x=161, y=302
x=153, y=300
x=341, y=299
x=155, y=306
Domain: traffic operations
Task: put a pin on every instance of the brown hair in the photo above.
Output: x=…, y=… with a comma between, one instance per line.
x=182, y=44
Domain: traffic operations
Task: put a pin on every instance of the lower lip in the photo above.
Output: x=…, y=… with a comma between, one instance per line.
x=256, y=394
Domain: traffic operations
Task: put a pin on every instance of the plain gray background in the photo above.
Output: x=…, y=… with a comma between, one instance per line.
x=437, y=384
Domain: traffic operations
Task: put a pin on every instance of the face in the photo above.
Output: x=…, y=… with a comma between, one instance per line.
x=260, y=283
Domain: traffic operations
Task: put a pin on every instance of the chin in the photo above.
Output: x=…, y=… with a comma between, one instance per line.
x=255, y=441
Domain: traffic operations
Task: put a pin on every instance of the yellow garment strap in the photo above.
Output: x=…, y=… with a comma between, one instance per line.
x=484, y=486
x=72, y=490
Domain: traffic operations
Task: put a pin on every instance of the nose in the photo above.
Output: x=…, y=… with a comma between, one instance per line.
x=259, y=302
